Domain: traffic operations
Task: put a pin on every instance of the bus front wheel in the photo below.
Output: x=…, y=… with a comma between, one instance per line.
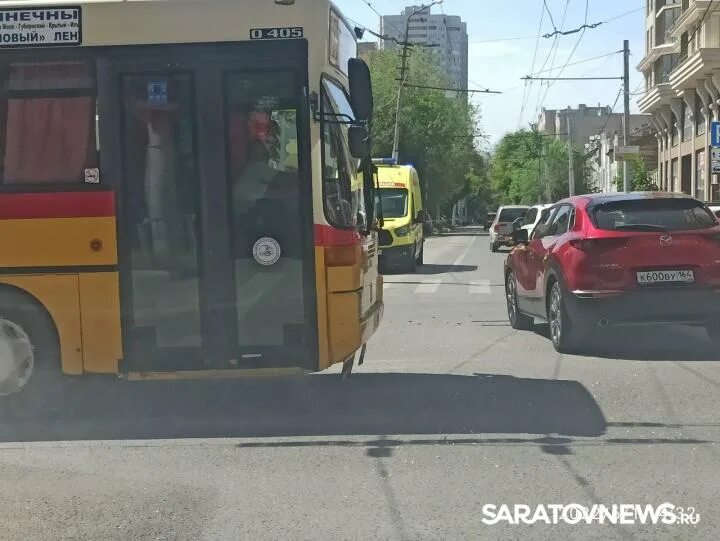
x=28, y=346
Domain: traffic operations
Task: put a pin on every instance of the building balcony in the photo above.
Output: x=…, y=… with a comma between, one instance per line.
x=689, y=17
x=658, y=95
x=655, y=53
x=694, y=66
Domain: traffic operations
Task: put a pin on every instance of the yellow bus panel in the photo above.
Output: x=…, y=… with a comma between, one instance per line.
x=58, y=293
x=100, y=317
x=58, y=242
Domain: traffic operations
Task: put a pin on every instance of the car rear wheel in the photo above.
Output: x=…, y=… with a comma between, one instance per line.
x=518, y=320
x=564, y=333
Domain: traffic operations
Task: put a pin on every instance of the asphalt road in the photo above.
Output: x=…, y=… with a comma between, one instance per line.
x=452, y=411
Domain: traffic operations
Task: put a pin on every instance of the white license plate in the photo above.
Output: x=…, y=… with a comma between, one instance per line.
x=666, y=276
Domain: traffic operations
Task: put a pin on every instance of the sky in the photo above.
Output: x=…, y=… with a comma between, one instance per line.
x=499, y=65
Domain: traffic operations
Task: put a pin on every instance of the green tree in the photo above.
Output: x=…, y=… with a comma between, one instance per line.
x=640, y=179
x=527, y=167
x=436, y=130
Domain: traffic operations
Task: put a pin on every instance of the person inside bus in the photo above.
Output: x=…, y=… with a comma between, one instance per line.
x=252, y=185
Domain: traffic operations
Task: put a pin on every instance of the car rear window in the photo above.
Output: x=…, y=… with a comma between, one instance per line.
x=669, y=214
x=510, y=215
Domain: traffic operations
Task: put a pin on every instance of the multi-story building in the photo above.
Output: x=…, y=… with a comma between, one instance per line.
x=445, y=34
x=599, y=130
x=607, y=169
x=585, y=122
x=366, y=49
x=682, y=88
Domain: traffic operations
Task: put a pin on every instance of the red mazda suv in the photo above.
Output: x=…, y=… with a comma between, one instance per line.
x=609, y=260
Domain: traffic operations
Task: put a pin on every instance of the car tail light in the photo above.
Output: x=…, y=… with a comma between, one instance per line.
x=497, y=227
x=609, y=243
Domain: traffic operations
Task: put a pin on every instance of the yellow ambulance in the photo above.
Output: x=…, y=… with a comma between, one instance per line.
x=405, y=221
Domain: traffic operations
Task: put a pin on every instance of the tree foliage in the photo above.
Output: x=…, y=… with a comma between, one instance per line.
x=527, y=167
x=436, y=129
x=640, y=179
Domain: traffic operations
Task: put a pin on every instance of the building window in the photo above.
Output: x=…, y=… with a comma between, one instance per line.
x=699, y=118
x=687, y=127
x=700, y=175
x=684, y=46
x=674, y=131
x=673, y=174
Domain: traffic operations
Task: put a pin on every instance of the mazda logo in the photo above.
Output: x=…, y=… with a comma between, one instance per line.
x=666, y=240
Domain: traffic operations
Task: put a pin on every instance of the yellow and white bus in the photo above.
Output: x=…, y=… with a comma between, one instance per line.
x=181, y=191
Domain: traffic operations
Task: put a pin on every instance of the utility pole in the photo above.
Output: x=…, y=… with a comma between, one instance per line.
x=403, y=69
x=626, y=114
x=571, y=167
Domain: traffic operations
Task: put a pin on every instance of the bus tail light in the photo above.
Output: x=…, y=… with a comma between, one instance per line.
x=342, y=256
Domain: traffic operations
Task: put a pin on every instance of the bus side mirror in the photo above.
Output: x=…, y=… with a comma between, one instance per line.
x=361, y=96
x=359, y=142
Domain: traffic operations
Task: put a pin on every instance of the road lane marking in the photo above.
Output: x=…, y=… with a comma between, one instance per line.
x=481, y=287
x=429, y=286
x=459, y=260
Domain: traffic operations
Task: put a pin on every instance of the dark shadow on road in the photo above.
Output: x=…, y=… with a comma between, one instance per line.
x=418, y=282
x=432, y=269
x=429, y=269
x=648, y=344
x=464, y=232
x=317, y=405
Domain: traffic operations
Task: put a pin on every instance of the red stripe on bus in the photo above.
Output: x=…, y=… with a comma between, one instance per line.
x=326, y=235
x=57, y=205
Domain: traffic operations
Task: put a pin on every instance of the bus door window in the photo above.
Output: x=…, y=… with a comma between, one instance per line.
x=265, y=187
x=47, y=123
x=161, y=187
x=342, y=186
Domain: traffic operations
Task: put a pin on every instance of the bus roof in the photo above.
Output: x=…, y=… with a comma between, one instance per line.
x=146, y=22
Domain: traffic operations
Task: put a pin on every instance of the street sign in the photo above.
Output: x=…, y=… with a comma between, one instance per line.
x=715, y=133
x=716, y=168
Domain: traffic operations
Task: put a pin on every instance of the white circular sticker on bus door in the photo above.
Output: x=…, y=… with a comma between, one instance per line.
x=266, y=251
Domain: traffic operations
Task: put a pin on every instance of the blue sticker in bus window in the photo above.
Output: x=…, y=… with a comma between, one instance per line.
x=158, y=92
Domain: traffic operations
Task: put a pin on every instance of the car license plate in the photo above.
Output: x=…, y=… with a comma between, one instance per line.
x=666, y=276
